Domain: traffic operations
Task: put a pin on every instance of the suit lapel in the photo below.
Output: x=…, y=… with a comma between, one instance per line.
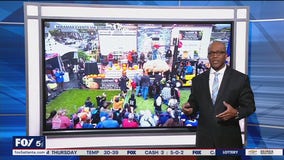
x=206, y=86
x=223, y=85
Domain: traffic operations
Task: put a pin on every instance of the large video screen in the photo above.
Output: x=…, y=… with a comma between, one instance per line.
x=97, y=74
x=107, y=77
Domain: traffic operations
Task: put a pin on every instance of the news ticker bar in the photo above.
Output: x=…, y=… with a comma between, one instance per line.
x=151, y=152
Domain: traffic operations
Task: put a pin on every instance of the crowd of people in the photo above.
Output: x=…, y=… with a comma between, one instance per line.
x=121, y=110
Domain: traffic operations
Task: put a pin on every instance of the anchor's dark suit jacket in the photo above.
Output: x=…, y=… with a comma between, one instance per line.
x=213, y=132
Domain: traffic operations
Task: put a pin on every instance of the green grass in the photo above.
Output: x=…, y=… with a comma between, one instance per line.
x=73, y=99
x=149, y=103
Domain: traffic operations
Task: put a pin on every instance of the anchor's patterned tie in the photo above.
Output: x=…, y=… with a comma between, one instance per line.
x=215, y=87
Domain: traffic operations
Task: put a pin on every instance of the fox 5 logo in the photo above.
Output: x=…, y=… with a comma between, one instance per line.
x=29, y=142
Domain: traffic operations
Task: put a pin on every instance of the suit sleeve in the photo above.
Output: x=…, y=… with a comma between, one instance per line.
x=246, y=100
x=192, y=98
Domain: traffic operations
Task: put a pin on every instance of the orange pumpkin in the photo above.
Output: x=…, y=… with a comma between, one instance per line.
x=94, y=85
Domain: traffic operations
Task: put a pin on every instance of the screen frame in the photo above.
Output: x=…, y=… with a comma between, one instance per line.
x=35, y=12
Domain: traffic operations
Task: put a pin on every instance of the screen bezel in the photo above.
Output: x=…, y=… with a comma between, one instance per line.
x=35, y=12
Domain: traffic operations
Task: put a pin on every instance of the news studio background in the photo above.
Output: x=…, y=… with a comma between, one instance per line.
x=266, y=62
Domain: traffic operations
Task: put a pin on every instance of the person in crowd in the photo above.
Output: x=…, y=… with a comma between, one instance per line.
x=135, y=57
x=77, y=123
x=141, y=60
x=100, y=100
x=157, y=78
x=130, y=122
x=181, y=70
x=48, y=69
x=164, y=117
x=100, y=124
x=157, y=87
x=122, y=82
x=51, y=86
x=173, y=120
x=117, y=116
x=49, y=78
x=125, y=111
x=84, y=114
x=130, y=59
x=188, y=69
x=132, y=102
x=158, y=102
x=110, y=59
x=95, y=115
x=155, y=53
x=169, y=56
x=105, y=109
x=56, y=122
x=88, y=102
x=137, y=79
x=133, y=86
x=221, y=96
x=110, y=122
x=166, y=93
x=201, y=67
x=145, y=83
x=59, y=80
x=70, y=70
x=61, y=121
x=173, y=103
x=175, y=92
x=147, y=120
x=49, y=120
x=117, y=103
x=190, y=122
x=88, y=123
x=65, y=121
x=81, y=71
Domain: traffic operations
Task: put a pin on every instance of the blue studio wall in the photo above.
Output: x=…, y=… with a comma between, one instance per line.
x=266, y=69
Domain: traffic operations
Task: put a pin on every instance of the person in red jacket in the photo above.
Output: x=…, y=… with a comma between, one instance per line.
x=130, y=122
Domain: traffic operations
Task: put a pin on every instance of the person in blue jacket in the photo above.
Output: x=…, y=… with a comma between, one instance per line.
x=59, y=77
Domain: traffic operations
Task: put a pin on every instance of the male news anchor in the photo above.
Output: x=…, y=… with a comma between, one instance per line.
x=222, y=96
